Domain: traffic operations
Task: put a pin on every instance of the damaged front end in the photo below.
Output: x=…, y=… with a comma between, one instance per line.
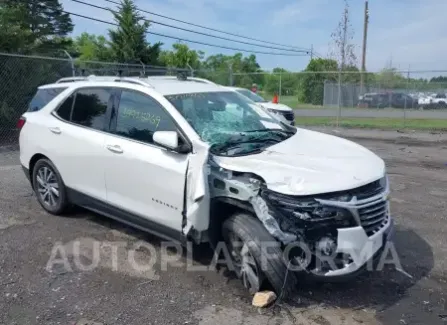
x=332, y=235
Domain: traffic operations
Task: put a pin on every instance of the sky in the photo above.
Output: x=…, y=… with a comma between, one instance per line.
x=411, y=34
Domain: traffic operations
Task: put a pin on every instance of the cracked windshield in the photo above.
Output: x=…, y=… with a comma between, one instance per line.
x=229, y=122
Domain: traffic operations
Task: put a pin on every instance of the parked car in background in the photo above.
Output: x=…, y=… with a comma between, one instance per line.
x=434, y=101
x=402, y=100
x=282, y=111
x=373, y=100
x=383, y=100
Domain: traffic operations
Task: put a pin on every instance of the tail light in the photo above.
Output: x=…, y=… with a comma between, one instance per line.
x=21, y=122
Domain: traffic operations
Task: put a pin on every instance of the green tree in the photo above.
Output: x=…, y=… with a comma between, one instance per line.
x=181, y=56
x=128, y=41
x=40, y=25
x=435, y=83
x=243, y=69
x=13, y=38
x=91, y=47
x=439, y=79
x=217, y=68
x=351, y=74
x=313, y=79
x=289, y=82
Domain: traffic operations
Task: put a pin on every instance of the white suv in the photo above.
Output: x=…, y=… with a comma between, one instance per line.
x=193, y=161
x=282, y=112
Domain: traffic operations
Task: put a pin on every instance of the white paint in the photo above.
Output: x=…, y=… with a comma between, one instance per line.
x=277, y=107
x=146, y=180
x=310, y=163
x=168, y=139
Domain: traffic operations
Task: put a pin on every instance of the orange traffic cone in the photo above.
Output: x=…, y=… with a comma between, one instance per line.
x=275, y=99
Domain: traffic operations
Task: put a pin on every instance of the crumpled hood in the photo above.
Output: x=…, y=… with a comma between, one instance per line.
x=279, y=106
x=310, y=163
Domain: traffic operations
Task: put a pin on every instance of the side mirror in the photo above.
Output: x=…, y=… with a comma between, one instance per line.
x=170, y=140
x=166, y=139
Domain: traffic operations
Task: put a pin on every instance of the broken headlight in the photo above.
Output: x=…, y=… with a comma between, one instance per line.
x=307, y=210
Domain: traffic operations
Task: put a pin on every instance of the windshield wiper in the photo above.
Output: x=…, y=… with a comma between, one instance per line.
x=267, y=130
x=232, y=144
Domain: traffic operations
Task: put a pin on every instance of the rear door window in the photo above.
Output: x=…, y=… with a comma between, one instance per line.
x=64, y=110
x=43, y=97
x=90, y=107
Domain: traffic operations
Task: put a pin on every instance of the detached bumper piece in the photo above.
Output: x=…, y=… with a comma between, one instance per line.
x=343, y=231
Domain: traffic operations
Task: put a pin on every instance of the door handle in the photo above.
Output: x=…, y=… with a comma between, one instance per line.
x=55, y=130
x=115, y=148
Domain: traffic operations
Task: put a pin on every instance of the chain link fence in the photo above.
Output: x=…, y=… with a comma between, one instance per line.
x=387, y=99
x=21, y=75
x=19, y=78
x=391, y=100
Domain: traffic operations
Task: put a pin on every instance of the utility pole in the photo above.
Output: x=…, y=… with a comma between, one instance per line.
x=312, y=52
x=365, y=36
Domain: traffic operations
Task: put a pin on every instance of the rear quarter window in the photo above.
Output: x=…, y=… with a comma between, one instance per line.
x=42, y=98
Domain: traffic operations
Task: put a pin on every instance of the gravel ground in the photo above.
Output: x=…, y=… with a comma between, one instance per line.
x=117, y=294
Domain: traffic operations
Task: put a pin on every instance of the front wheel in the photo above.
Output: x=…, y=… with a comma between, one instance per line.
x=256, y=256
x=49, y=187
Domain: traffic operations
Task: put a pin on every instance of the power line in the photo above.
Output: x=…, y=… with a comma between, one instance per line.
x=197, y=32
x=186, y=40
x=213, y=29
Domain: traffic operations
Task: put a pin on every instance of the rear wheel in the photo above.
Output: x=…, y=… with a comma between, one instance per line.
x=256, y=256
x=49, y=187
x=442, y=105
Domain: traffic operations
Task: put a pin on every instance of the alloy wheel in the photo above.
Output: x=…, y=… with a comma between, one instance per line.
x=47, y=186
x=244, y=264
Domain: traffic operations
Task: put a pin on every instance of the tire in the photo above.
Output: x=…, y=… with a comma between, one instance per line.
x=442, y=105
x=252, y=234
x=46, y=179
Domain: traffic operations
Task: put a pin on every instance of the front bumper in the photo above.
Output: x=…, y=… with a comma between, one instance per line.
x=363, y=250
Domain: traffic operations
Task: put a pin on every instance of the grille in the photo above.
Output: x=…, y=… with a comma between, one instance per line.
x=368, y=190
x=370, y=206
x=373, y=217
